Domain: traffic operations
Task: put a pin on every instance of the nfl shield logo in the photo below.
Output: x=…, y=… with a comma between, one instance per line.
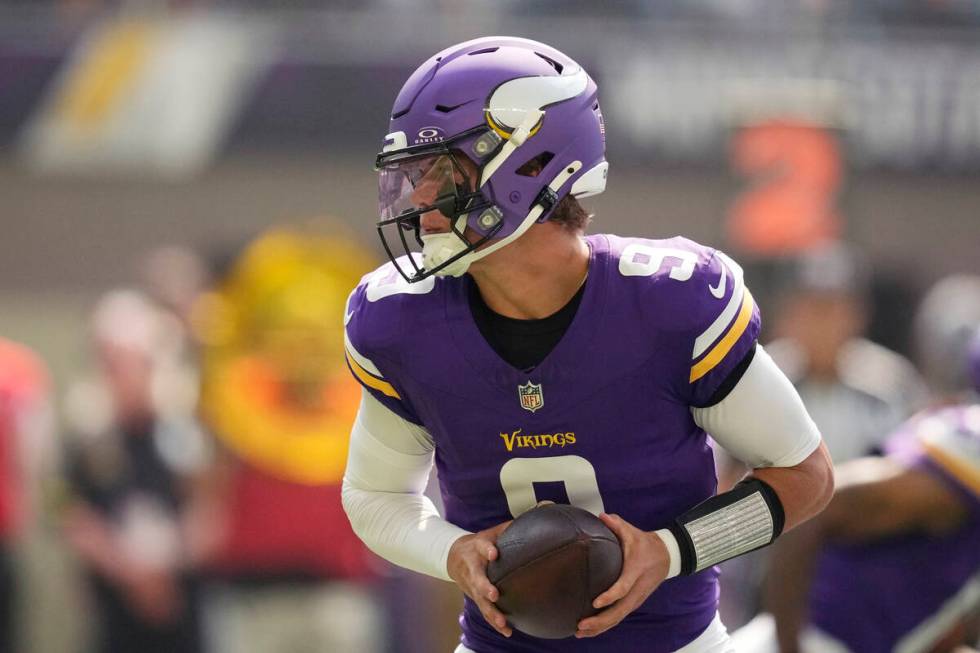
x=531, y=396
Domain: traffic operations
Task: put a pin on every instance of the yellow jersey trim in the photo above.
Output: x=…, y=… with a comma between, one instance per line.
x=718, y=353
x=370, y=380
x=961, y=471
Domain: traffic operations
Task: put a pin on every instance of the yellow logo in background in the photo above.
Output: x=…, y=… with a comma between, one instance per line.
x=274, y=387
x=537, y=441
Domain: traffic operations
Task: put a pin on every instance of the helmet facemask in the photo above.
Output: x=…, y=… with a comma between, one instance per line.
x=416, y=180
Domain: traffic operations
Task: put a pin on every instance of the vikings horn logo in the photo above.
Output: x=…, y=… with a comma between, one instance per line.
x=532, y=398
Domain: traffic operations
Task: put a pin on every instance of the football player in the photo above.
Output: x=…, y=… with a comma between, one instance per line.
x=893, y=564
x=531, y=362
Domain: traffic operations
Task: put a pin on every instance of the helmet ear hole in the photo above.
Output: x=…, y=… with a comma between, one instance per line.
x=533, y=166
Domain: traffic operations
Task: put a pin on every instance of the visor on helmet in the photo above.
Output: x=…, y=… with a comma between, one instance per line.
x=419, y=184
x=413, y=182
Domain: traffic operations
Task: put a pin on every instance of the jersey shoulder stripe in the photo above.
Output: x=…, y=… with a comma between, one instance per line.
x=720, y=350
x=367, y=372
x=381, y=315
x=724, y=319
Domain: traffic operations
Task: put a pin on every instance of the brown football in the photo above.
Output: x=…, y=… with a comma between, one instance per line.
x=553, y=561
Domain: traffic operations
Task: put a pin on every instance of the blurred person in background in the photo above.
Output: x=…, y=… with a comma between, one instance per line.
x=132, y=454
x=25, y=438
x=855, y=390
x=288, y=572
x=175, y=276
x=893, y=564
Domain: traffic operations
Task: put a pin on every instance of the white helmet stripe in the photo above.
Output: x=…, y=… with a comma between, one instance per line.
x=513, y=100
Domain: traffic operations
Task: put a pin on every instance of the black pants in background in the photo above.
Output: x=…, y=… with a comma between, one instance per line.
x=8, y=600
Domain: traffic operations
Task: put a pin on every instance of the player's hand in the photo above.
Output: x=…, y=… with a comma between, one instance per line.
x=467, y=566
x=645, y=566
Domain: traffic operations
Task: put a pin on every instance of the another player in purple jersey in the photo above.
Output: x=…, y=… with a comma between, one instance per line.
x=532, y=363
x=893, y=564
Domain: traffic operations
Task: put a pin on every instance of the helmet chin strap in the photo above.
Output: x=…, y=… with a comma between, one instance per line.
x=438, y=248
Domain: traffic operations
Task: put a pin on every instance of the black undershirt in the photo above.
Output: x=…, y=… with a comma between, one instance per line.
x=523, y=344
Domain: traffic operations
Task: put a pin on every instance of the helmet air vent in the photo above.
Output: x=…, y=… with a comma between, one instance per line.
x=485, y=50
x=554, y=64
x=442, y=108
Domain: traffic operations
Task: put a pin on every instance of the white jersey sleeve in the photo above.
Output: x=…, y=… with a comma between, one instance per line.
x=762, y=421
x=387, y=469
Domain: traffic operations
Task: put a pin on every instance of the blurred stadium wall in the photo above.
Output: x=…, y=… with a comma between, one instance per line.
x=126, y=125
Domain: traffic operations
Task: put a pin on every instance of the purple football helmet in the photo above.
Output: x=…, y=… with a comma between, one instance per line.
x=524, y=113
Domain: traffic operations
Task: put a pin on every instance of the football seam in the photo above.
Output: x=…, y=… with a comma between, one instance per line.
x=537, y=558
x=591, y=538
x=583, y=609
x=578, y=529
x=586, y=607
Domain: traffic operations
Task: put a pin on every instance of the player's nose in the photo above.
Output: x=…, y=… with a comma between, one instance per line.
x=434, y=222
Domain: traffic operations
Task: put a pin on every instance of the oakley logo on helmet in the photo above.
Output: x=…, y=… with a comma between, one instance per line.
x=429, y=135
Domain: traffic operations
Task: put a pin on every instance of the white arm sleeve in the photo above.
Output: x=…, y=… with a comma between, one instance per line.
x=762, y=421
x=387, y=469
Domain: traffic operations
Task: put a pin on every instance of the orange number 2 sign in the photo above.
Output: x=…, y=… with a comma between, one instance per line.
x=795, y=172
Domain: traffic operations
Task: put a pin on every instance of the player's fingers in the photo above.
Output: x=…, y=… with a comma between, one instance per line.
x=617, y=525
x=476, y=578
x=616, y=591
x=618, y=611
x=485, y=549
x=600, y=623
x=483, y=587
x=492, y=533
x=611, y=519
x=494, y=617
x=492, y=594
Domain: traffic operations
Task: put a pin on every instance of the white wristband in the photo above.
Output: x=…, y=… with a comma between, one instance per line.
x=673, y=551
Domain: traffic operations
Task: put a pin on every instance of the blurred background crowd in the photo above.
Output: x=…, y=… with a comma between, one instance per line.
x=186, y=198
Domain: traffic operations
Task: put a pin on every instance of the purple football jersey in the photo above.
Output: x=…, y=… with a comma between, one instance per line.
x=604, y=422
x=908, y=592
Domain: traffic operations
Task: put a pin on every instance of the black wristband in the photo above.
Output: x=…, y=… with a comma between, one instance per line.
x=704, y=540
x=772, y=500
